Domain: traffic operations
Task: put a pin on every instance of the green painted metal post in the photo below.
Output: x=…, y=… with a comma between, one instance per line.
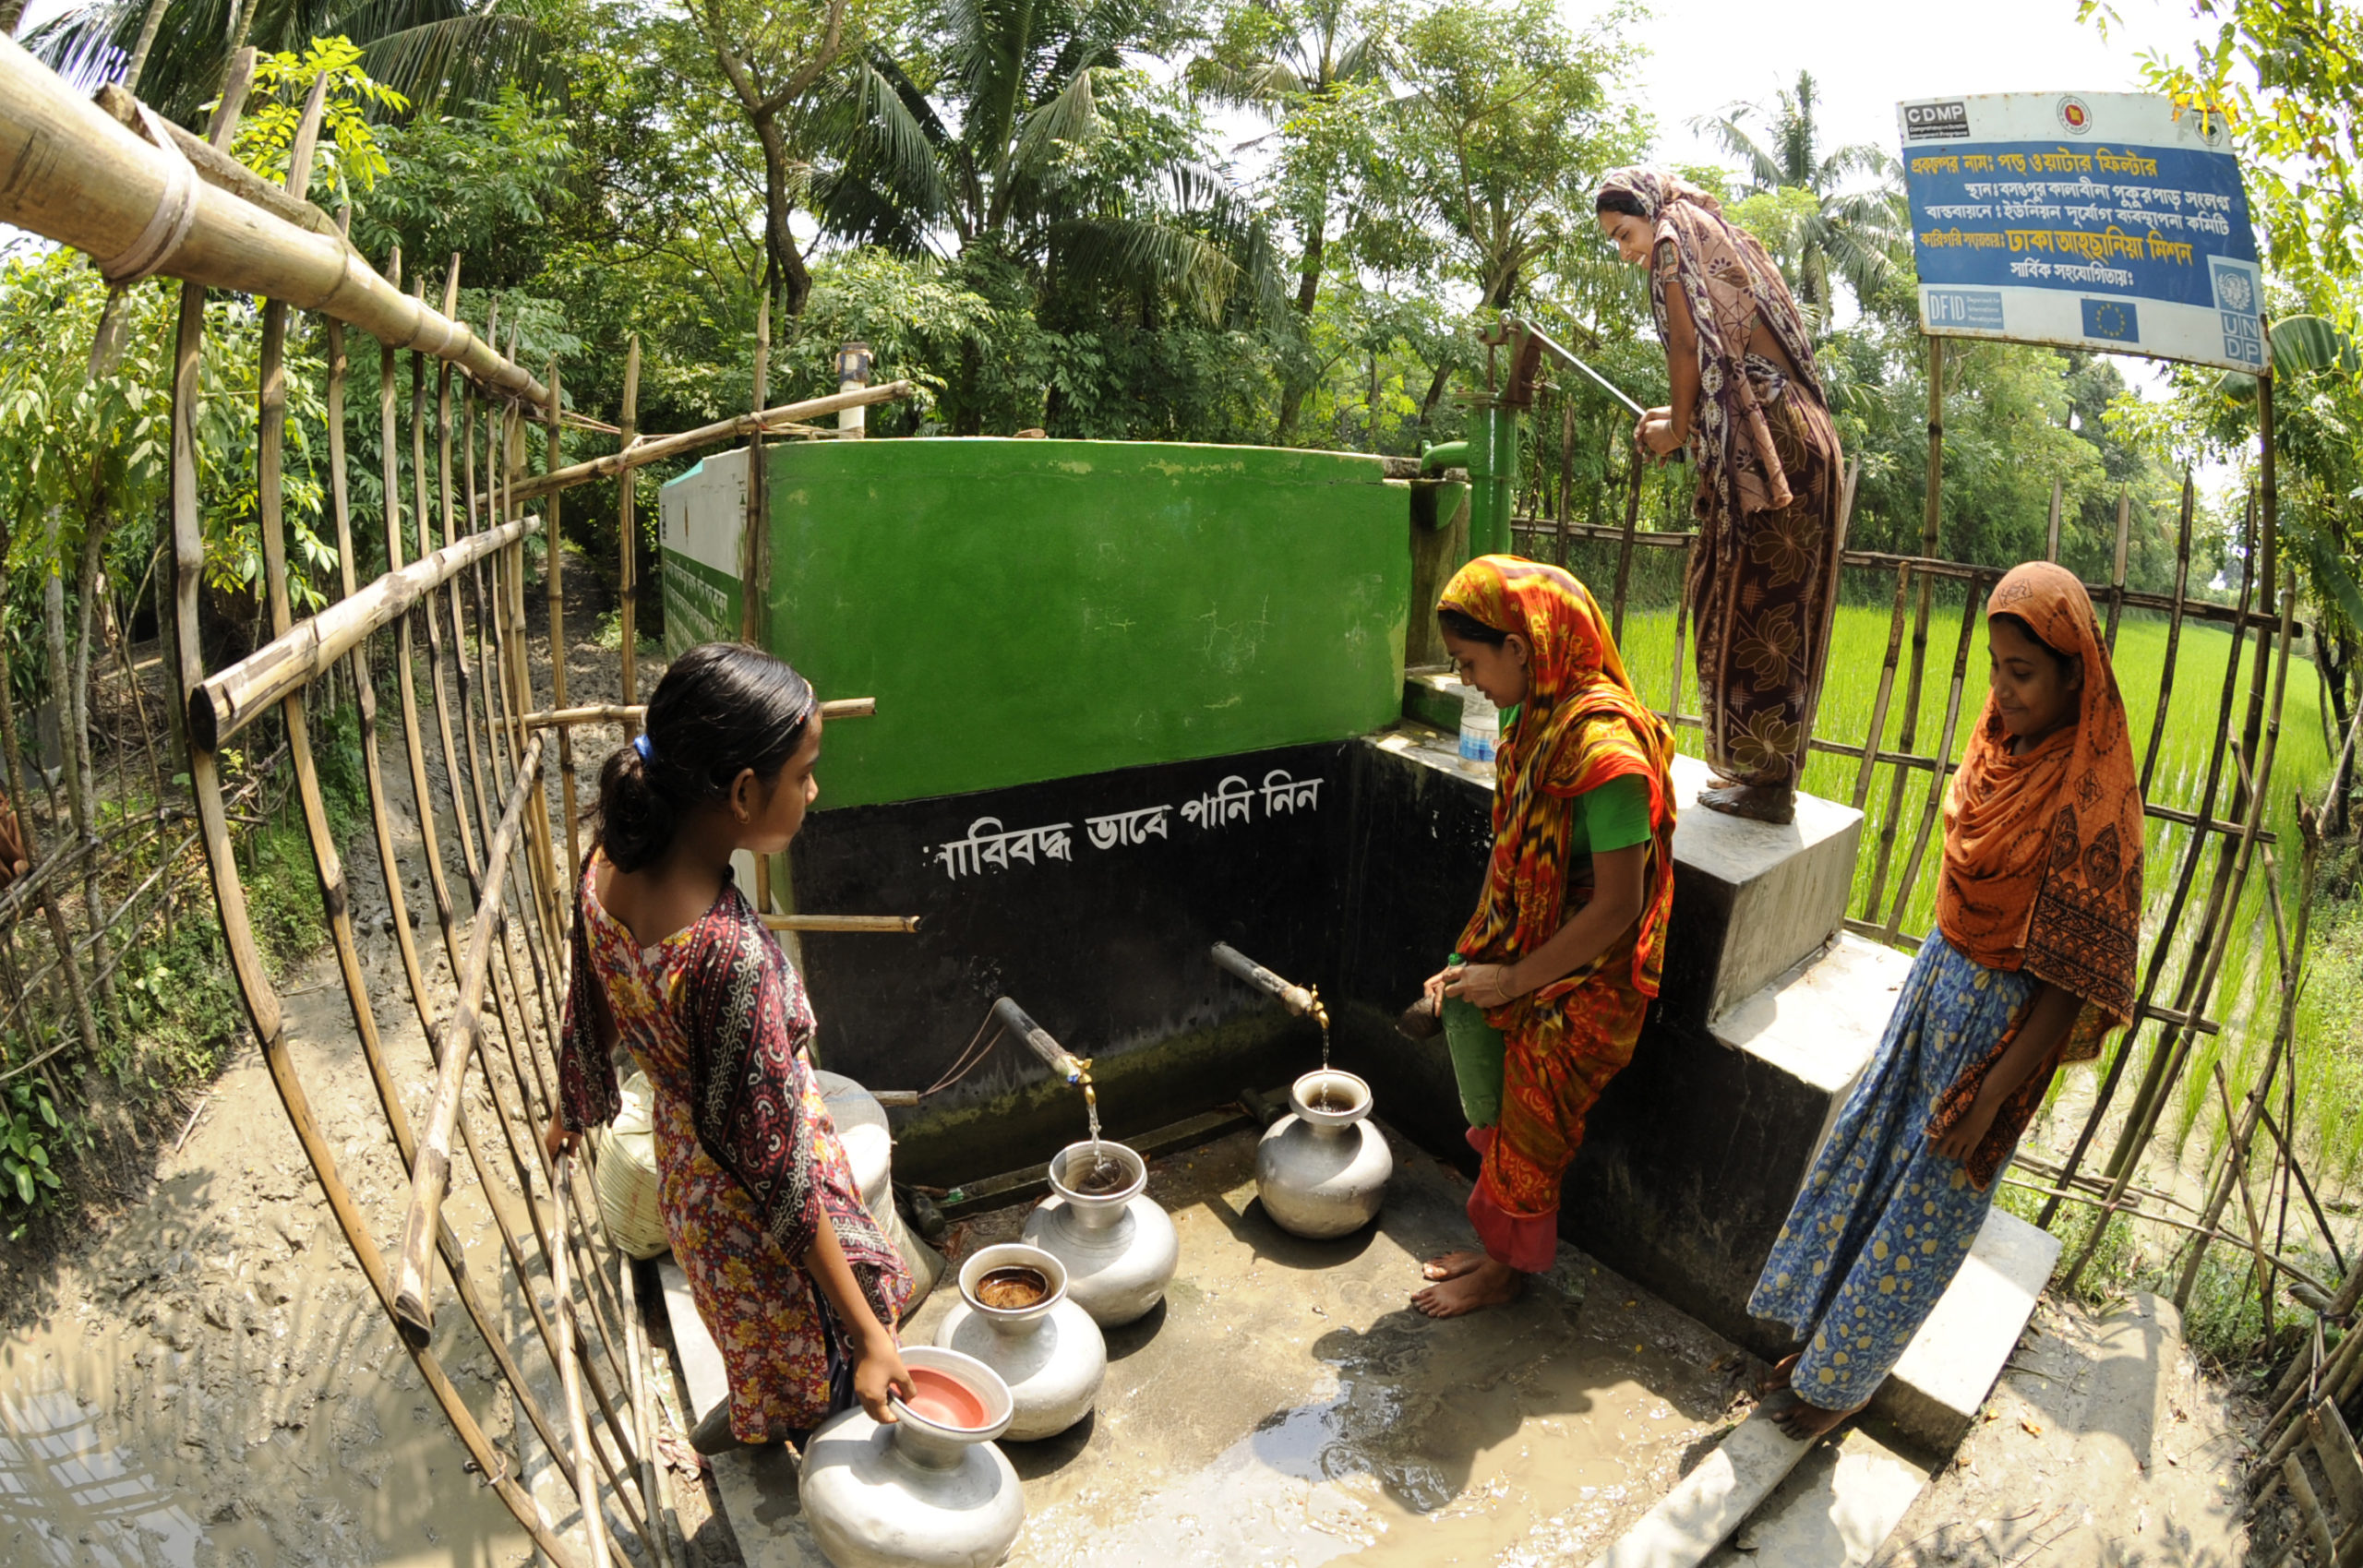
x=1492, y=477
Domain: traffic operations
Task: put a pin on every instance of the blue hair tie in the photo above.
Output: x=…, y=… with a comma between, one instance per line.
x=647, y=753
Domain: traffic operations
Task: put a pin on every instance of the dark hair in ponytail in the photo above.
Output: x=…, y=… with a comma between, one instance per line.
x=1469, y=629
x=721, y=707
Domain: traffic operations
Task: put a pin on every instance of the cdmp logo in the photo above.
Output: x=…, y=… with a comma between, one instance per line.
x=1927, y=122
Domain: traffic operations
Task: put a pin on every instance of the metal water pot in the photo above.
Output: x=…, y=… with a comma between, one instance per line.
x=1050, y=1354
x=1119, y=1247
x=921, y=1494
x=1322, y=1171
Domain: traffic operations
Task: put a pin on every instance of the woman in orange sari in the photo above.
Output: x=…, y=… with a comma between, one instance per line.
x=2038, y=915
x=1545, y=997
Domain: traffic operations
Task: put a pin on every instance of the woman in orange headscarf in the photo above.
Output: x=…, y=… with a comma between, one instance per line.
x=1545, y=995
x=2038, y=913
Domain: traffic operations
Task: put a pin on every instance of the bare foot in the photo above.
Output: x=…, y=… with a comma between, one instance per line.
x=1757, y=803
x=1799, y=1420
x=1451, y=1265
x=1777, y=1379
x=1487, y=1285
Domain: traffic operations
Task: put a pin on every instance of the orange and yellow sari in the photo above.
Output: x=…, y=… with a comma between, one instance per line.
x=1580, y=726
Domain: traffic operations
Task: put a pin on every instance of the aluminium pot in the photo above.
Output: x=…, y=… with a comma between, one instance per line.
x=1322, y=1171
x=923, y=1492
x=1119, y=1247
x=1049, y=1353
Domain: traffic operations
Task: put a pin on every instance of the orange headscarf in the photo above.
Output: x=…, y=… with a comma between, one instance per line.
x=1580, y=725
x=2042, y=850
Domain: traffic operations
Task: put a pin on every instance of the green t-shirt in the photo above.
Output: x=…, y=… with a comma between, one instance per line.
x=1615, y=816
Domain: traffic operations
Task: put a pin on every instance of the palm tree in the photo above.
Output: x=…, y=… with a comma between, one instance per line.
x=423, y=49
x=1851, y=235
x=1021, y=80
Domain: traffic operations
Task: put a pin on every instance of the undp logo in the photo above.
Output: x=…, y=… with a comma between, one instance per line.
x=1926, y=122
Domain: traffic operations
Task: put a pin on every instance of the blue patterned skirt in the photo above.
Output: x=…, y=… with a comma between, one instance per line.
x=1884, y=1221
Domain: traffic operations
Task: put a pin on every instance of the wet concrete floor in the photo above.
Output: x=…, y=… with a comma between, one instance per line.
x=1286, y=1406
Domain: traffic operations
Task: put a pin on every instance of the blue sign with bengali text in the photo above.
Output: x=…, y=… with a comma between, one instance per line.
x=2100, y=220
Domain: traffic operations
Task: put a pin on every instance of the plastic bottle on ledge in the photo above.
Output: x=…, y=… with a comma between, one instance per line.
x=1480, y=726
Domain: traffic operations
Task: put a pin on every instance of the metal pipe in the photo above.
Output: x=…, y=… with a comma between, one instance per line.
x=1303, y=1000
x=1011, y=1016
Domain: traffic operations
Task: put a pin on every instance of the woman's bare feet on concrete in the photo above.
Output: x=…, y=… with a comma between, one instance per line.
x=1757, y=803
x=1468, y=1281
x=1800, y=1421
x=1777, y=1379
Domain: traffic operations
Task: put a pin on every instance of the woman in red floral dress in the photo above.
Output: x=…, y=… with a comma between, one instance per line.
x=794, y=1279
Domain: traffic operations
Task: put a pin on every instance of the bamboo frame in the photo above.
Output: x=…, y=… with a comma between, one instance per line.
x=627, y=537
x=659, y=449
x=619, y=713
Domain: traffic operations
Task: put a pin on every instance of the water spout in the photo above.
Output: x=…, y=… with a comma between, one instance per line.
x=1303, y=1000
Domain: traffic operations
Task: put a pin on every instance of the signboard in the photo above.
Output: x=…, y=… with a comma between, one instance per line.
x=703, y=517
x=2094, y=220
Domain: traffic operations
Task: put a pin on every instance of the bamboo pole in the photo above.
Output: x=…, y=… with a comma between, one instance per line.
x=2117, y=569
x=99, y=187
x=586, y=1486
x=2173, y=633
x=628, y=533
x=842, y=922
x=427, y=613
x=2051, y=534
x=1568, y=499
x=619, y=713
x=222, y=705
x=1878, y=731
x=555, y=579
x=659, y=449
x=413, y=1311
x=1970, y=604
x=1624, y=548
x=1818, y=669
x=654, y=1488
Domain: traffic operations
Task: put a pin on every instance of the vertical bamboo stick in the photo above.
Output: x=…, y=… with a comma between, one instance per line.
x=556, y=580
x=2173, y=633
x=453, y=784
x=1682, y=611
x=1929, y=535
x=1818, y=651
x=2051, y=534
x=1567, y=489
x=628, y=531
x=1971, y=603
x=1872, y=741
x=1623, y=549
x=2117, y=570
x=586, y=1486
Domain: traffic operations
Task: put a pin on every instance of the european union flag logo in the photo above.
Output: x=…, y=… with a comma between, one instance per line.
x=2113, y=320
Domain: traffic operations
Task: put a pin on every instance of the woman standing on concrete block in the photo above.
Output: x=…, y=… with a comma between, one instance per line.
x=1544, y=997
x=794, y=1281
x=2038, y=914
x=1749, y=404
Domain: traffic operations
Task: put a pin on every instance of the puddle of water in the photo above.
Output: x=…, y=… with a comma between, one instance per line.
x=66, y=1499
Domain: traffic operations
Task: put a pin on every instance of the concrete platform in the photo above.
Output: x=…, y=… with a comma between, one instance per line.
x=1834, y=1509
x=1286, y=1406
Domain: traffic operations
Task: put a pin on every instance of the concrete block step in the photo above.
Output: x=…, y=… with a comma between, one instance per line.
x=1820, y=1021
x=1833, y=1511
x=1952, y=1364
x=694, y=1350
x=1710, y=1503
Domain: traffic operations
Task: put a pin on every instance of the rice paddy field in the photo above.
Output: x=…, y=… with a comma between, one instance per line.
x=2247, y=997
